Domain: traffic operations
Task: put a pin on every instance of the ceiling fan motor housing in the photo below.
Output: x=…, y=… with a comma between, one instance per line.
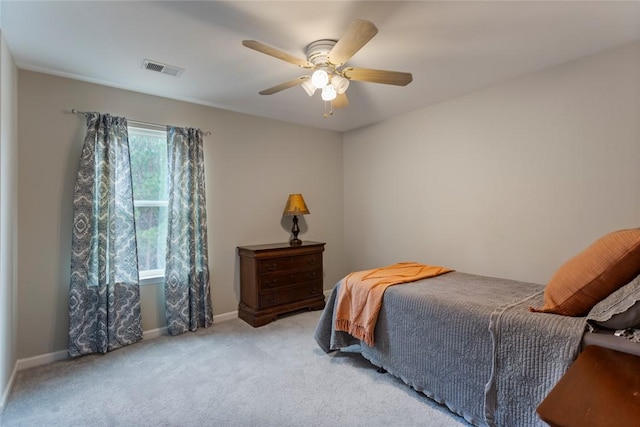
x=318, y=51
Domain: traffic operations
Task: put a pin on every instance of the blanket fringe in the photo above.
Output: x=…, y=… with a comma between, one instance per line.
x=357, y=331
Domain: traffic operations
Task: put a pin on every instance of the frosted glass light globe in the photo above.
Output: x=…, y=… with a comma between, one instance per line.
x=328, y=93
x=308, y=87
x=340, y=84
x=320, y=78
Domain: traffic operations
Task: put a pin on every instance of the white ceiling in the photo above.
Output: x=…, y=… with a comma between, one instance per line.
x=450, y=47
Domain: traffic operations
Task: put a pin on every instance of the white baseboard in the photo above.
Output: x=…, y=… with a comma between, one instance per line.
x=154, y=333
x=158, y=332
x=7, y=389
x=44, y=359
x=225, y=316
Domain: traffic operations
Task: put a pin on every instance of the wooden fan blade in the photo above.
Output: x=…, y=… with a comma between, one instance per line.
x=272, y=51
x=358, y=34
x=283, y=86
x=378, y=76
x=341, y=101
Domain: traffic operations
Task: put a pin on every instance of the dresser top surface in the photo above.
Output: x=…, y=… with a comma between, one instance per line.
x=283, y=245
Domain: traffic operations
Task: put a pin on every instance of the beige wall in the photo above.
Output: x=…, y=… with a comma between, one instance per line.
x=509, y=181
x=252, y=164
x=8, y=216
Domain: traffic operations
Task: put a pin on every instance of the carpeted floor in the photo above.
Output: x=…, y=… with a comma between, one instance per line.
x=228, y=375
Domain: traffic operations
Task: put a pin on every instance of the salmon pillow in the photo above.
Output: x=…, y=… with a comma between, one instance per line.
x=608, y=264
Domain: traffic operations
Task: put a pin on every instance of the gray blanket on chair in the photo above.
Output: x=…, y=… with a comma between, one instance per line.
x=470, y=343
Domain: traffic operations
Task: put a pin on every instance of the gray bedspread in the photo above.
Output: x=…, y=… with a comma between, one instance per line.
x=470, y=343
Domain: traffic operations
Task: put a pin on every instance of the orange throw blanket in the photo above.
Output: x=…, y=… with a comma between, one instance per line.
x=361, y=293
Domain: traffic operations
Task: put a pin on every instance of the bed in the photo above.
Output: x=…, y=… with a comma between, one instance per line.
x=471, y=342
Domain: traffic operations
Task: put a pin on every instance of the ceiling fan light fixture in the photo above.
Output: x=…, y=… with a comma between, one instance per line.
x=326, y=59
x=328, y=93
x=340, y=84
x=320, y=78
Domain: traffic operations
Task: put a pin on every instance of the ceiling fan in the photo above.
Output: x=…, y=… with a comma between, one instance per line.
x=328, y=58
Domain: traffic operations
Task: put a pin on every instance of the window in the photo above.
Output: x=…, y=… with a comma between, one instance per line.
x=149, y=164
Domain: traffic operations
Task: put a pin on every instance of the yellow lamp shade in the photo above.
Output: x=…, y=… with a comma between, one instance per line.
x=295, y=205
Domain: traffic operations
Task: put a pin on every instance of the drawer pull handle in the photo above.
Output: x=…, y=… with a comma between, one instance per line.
x=311, y=275
x=311, y=261
x=271, y=267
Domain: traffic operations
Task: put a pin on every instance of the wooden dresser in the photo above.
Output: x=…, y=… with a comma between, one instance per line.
x=278, y=278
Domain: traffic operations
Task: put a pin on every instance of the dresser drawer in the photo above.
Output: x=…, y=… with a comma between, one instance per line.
x=290, y=263
x=274, y=298
x=277, y=280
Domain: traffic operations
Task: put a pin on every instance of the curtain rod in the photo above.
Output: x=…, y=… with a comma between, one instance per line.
x=74, y=111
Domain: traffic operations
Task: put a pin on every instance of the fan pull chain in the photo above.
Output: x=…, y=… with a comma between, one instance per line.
x=328, y=109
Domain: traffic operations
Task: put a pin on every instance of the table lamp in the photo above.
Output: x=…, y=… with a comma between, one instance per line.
x=295, y=206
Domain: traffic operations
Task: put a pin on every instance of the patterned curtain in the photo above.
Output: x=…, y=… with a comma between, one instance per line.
x=104, y=299
x=187, y=292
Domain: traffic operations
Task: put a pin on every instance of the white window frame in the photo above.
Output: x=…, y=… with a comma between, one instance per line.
x=149, y=277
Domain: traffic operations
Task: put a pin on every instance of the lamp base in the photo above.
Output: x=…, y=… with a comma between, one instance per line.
x=295, y=230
